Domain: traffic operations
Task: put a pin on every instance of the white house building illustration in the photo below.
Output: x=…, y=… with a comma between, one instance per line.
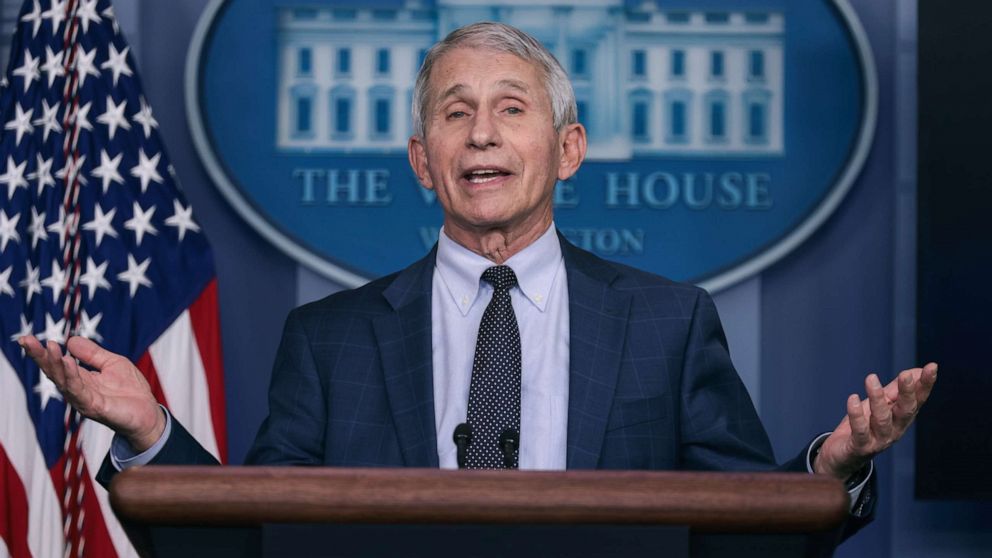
x=649, y=81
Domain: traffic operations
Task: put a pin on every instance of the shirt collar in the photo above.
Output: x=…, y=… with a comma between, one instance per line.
x=536, y=268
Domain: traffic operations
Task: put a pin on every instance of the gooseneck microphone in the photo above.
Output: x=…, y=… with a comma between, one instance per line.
x=463, y=438
x=509, y=443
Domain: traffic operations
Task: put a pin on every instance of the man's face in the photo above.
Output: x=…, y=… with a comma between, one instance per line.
x=491, y=151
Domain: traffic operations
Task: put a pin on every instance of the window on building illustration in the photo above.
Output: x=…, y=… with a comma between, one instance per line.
x=382, y=116
x=756, y=64
x=678, y=63
x=717, y=17
x=639, y=63
x=678, y=120
x=304, y=61
x=718, y=120
x=421, y=15
x=344, y=14
x=383, y=15
x=757, y=127
x=344, y=61
x=381, y=112
x=382, y=61
x=640, y=118
x=580, y=63
x=582, y=112
x=303, y=14
x=677, y=17
x=342, y=115
x=677, y=116
x=304, y=106
x=756, y=17
x=716, y=64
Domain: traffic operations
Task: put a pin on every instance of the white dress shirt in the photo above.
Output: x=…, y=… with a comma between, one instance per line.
x=540, y=303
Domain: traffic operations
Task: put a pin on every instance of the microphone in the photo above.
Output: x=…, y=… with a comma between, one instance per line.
x=509, y=443
x=463, y=437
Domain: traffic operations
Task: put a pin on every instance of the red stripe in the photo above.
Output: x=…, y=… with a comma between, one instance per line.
x=205, y=320
x=13, y=509
x=147, y=368
x=97, y=538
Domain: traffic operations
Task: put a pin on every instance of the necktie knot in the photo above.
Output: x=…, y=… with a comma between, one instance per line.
x=501, y=277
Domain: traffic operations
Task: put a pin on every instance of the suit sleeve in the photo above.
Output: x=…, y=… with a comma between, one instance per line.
x=181, y=448
x=293, y=432
x=720, y=429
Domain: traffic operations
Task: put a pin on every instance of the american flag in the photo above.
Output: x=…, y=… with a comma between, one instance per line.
x=96, y=240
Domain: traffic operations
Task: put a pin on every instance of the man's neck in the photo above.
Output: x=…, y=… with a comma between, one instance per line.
x=497, y=244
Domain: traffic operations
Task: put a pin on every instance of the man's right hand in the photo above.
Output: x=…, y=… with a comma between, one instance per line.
x=116, y=394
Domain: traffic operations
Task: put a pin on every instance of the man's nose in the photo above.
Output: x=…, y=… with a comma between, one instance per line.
x=485, y=130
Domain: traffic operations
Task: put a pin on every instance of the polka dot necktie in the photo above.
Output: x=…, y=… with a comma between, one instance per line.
x=494, y=393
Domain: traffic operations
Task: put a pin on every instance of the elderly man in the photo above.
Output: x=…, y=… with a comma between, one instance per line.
x=505, y=346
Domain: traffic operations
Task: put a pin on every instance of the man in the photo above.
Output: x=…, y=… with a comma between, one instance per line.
x=554, y=358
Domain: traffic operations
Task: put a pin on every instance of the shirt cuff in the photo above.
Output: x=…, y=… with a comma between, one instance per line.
x=123, y=456
x=853, y=492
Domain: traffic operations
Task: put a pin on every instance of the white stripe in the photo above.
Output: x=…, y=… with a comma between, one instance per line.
x=17, y=436
x=96, y=443
x=3, y=549
x=184, y=380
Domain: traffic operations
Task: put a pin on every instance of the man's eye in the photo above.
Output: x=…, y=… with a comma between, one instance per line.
x=457, y=114
x=514, y=110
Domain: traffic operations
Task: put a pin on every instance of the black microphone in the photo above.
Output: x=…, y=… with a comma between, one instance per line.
x=509, y=443
x=463, y=437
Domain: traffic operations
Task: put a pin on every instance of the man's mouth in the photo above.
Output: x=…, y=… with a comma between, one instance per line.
x=482, y=176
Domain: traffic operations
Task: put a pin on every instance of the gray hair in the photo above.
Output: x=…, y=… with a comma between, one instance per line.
x=500, y=38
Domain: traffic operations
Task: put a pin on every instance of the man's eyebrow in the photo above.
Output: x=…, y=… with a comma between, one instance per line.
x=457, y=89
x=452, y=91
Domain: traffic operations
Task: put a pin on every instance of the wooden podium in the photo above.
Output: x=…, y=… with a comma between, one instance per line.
x=295, y=511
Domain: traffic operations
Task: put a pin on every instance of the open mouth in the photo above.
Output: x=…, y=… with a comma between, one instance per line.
x=482, y=176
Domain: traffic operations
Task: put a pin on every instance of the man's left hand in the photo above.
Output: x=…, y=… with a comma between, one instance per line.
x=875, y=423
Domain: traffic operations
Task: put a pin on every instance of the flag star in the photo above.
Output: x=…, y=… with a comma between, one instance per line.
x=86, y=13
x=21, y=122
x=53, y=65
x=117, y=62
x=56, y=13
x=82, y=117
x=43, y=174
x=54, y=331
x=84, y=64
x=87, y=326
x=102, y=224
x=94, y=277
x=46, y=390
x=3, y=82
x=182, y=219
x=26, y=329
x=70, y=172
x=5, y=288
x=141, y=222
x=55, y=281
x=37, y=227
x=8, y=229
x=28, y=70
x=50, y=119
x=60, y=226
x=14, y=177
x=146, y=169
x=107, y=171
x=114, y=116
x=32, y=282
x=145, y=118
x=134, y=276
x=34, y=16
x=108, y=14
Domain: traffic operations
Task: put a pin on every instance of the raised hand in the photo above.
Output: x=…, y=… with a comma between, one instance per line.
x=116, y=394
x=873, y=424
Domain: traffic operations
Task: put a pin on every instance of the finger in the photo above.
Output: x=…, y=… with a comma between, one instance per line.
x=90, y=353
x=881, y=413
x=928, y=377
x=906, y=405
x=74, y=386
x=856, y=416
x=49, y=360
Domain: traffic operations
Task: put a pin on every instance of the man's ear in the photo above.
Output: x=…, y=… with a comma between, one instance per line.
x=417, y=153
x=573, y=150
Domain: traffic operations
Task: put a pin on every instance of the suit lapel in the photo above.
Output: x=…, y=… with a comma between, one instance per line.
x=404, y=341
x=597, y=329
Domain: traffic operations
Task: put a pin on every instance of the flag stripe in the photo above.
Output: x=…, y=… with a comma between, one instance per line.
x=96, y=442
x=14, y=511
x=17, y=437
x=147, y=368
x=176, y=349
x=91, y=519
x=206, y=328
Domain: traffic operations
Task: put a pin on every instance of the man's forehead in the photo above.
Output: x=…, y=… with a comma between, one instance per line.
x=459, y=89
